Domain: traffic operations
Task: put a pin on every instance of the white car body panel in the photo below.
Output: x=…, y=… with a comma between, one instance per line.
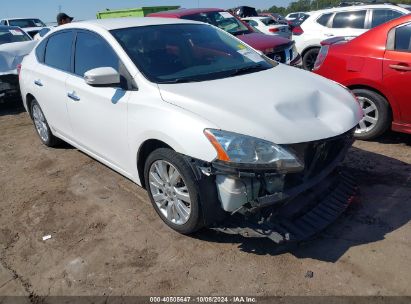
x=11, y=54
x=111, y=124
x=269, y=112
x=314, y=32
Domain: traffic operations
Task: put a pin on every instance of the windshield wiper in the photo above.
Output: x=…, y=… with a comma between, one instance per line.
x=180, y=80
x=247, y=70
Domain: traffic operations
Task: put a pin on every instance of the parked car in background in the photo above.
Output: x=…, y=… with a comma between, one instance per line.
x=277, y=48
x=293, y=16
x=377, y=67
x=14, y=45
x=30, y=25
x=268, y=26
x=339, y=21
x=276, y=17
x=294, y=24
x=171, y=104
x=245, y=11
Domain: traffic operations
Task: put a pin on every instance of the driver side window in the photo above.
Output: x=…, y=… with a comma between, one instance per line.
x=93, y=52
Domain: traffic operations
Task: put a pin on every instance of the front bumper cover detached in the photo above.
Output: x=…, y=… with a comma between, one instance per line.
x=300, y=218
x=307, y=203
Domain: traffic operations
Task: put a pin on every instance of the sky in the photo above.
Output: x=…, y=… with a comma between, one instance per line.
x=47, y=10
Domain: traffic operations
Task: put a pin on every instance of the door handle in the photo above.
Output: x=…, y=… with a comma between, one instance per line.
x=38, y=83
x=329, y=35
x=73, y=96
x=400, y=67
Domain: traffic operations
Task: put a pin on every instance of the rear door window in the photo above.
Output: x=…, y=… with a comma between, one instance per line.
x=323, y=20
x=380, y=16
x=403, y=38
x=353, y=19
x=58, y=51
x=93, y=52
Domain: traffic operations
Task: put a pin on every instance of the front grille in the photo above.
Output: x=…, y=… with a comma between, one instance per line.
x=318, y=156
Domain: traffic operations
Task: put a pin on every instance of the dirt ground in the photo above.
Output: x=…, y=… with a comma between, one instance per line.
x=106, y=238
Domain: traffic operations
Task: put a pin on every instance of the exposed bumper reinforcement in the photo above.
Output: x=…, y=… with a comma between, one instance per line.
x=301, y=217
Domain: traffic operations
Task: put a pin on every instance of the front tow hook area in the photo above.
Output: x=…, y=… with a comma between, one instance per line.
x=317, y=209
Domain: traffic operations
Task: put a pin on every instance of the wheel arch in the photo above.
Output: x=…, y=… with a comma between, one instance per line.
x=370, y=88
x=28, y=101
x=309, y=48
x=146, y=148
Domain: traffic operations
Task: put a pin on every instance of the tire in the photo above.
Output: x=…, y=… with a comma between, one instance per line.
x=377, y=114
x=41, y=125
x=309, y=58
x=169, y=198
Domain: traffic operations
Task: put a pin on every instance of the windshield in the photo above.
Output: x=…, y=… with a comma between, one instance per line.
x=12, y=35
x=26, y=23
x=188, y=52
x=223, y=20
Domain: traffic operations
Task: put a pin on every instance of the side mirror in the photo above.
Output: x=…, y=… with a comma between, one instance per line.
x=102, y=77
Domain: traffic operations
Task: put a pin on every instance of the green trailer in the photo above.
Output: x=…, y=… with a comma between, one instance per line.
x=134, y=12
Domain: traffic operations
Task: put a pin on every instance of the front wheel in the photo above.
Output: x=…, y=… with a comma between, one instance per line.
x=173, y=190
x=377, y=118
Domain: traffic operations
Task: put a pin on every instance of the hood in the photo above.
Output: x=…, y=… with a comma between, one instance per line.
x=262, y=42
x=283, y=105
x=11, y=54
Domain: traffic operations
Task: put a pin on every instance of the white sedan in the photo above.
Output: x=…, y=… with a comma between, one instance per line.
x=209, y=126
x=269, y=26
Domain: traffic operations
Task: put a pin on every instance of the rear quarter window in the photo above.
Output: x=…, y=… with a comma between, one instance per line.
x=40, y=51
x=380, y=16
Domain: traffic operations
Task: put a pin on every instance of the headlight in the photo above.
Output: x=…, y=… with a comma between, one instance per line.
x=243, y=149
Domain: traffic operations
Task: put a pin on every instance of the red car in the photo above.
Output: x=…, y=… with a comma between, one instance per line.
x=376, y=66
x=277, y=48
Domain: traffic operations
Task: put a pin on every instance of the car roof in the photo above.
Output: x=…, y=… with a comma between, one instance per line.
x=357, y=7
x=186, y=11
x=118, y=23
x=20, y=18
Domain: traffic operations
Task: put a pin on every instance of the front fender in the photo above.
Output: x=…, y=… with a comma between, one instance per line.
x=170, y=124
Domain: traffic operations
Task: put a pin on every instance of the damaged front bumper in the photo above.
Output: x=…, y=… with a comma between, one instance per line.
x=285, y=206
x=9, y=87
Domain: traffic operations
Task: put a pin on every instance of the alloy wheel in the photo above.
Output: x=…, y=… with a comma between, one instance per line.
x=40, y=123
x=370, y=118
x=169, y=192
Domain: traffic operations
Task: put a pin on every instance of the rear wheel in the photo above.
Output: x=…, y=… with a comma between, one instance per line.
x=42, y=126
x=173, y=190
x=377, y=117
x=309, y=58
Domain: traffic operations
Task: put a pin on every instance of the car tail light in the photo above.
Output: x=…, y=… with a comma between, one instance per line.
x=273, y=30
x=19, y=69
x=321, y=57
x=297, y=30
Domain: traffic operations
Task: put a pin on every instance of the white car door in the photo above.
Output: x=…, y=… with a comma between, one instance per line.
x=50, y=75
x=98, y=114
